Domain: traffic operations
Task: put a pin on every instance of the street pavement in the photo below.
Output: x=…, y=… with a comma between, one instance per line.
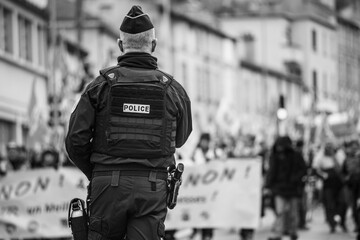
x=318, y=230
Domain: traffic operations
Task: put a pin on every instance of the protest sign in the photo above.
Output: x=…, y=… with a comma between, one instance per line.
x=35, y=203
x=220, y=194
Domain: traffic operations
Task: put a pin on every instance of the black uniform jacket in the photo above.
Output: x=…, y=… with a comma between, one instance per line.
x=82, y=121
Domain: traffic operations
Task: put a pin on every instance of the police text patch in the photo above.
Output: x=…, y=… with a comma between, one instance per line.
x=136, y=108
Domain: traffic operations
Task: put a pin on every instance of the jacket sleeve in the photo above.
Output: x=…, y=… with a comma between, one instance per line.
x=300, y=169
x=184, y=118
x=270, y=175
x=78, y=141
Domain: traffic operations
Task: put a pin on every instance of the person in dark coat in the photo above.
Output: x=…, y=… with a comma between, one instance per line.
x=351, y=172
x=284, y=180
x=333, y=190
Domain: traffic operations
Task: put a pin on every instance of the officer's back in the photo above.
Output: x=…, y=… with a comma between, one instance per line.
x=123, y=134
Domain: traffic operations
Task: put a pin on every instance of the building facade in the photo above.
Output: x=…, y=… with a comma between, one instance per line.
x=314, y=30
x=23, y=64
x=348, y=34
x=204, y=60
x=90, y=32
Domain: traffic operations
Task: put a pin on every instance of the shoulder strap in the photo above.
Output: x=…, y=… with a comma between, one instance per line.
x=109, y=74
x=120, y=74
x=165, y=77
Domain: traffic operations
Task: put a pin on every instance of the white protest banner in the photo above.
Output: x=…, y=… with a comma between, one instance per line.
x=219, y=194
x=35, y=203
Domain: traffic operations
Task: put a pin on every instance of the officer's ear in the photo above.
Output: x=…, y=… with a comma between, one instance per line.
x=153, y=45
x=120, y=44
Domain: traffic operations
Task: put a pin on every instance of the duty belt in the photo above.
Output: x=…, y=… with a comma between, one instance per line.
x=133, y=173
x=151, y=174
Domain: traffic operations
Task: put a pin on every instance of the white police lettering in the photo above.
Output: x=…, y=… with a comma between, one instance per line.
x=136, y=108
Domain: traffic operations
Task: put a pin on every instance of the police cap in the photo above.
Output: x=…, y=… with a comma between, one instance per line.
x=136, y=21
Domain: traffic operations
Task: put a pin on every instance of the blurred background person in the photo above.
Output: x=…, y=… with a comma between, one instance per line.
x=50, y=158
x=17, y=157
x=333, y=197
x=3, y=165
x=302, y=208
x=35, y=158
x=203, y=154
x=351, y=171
x=284, y=181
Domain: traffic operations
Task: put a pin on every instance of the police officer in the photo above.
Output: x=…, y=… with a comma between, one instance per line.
x=123, y=134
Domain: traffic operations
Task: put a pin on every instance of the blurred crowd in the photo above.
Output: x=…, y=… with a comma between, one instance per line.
x=295, y=181
x=18, y=157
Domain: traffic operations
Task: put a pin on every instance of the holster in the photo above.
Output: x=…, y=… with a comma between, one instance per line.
x=174, y=183
x=173, y=193
x=78, y=216
x=78, y=219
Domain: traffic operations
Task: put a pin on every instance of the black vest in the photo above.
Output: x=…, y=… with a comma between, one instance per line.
x=136, y=122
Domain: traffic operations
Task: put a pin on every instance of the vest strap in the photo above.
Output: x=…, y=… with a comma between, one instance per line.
x=122, y=136
x=115, y=176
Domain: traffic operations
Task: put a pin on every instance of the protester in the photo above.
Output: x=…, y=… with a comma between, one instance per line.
x=123, y=135
x=35, y=159
x=302, y=200
x=284, y=180
x=3, y=165
x=329, y=168
x=203, y=154
x=50, y=158
x=351, y=171
x=17, y=157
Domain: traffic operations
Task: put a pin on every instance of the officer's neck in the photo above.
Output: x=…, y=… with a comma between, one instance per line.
x=136, y=51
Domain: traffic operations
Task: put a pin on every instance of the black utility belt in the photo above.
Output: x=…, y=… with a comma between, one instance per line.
x=133, y=173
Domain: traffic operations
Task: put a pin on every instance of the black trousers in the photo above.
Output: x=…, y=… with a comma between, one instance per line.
x=127, y=207
x=335, y=204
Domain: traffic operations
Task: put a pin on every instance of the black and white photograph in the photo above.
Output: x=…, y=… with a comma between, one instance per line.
x=179, y=119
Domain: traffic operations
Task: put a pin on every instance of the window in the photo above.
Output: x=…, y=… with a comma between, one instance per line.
x=207, y=85
x=324, y=47
x=6, y=30
x=314, y=40
x=288, y=35
x=41, y=45
x=358, y=73
x=315, y=85
x=25, y=38
x=325, y=85
x=249, y=47
x=198, y=41
x=7, y=130
x=199, y=84
x=185, y=76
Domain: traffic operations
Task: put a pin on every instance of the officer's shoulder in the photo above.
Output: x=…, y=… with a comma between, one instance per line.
x=95, y=83
x=108, y=71
x=169, y=77
x=176, y=86
x=101, y=78
x=165, y=74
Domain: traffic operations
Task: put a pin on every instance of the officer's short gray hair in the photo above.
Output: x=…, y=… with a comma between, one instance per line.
x=139, y=41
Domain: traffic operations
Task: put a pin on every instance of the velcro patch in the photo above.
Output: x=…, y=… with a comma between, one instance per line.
x=136, y=108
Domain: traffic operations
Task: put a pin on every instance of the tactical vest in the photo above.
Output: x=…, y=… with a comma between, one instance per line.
x=136, y=122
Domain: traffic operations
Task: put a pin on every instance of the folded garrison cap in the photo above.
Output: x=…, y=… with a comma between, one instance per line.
x=136, y=21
